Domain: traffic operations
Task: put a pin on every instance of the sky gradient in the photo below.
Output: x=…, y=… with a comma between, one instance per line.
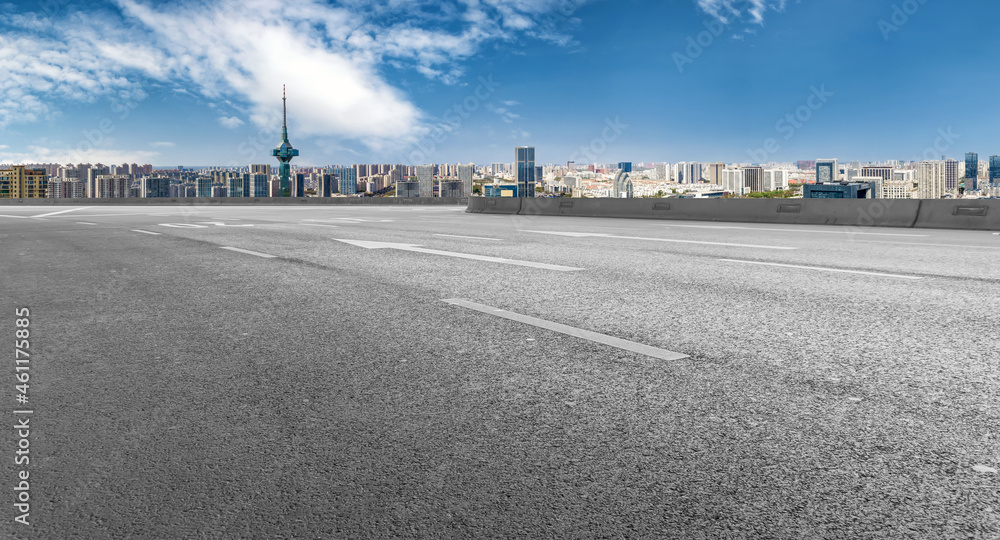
x=199, y=83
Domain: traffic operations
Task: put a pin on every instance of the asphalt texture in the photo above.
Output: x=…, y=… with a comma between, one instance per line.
x=181, y=390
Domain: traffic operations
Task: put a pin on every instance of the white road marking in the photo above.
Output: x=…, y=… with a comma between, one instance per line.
x=18, y=217
x=671, y=240
x=61, y=212
x=357, y=220
x=113, y=215
x=146, y=232
x=220, y=224
x=248, y=252
x=619, y=343
x=321, y=225
x=414, y=247
x=963, y=246
x=720, y=227
x=822, y=269
x=472, y=237
x=183, y=225
x=86, y=223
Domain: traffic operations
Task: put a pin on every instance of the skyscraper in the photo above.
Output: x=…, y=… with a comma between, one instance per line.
x=622, y=188
x=465, y=176
x=524, y=156
x=154, y=187
x=827, y=170
x=324, y=185
x=238, y=185
x=971, y=171
x=347, y=180
x=204, y=186
x=258, y=184
x=690, y=173
x=284, y=152
x=625, y=166
x=994, y=171
x=425, y=177
x=715, y=172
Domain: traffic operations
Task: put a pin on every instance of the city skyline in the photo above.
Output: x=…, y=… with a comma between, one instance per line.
x=587, y=81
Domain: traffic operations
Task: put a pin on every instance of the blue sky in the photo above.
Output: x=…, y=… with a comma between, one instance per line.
x=393, y=81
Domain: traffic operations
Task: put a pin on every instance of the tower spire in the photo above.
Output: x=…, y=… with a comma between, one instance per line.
x=284, y=115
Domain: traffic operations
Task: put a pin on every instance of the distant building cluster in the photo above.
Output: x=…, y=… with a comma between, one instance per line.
x=523, y=177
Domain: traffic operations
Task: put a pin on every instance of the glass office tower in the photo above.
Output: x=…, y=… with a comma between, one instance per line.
x=971, y=171
x=524, y=157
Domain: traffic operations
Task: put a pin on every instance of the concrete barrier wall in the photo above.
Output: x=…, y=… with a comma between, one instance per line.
x=196, y=201
x=978, y=214
x=981, y=214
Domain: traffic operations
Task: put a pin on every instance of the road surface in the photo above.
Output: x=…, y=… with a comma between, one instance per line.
x=420, y=372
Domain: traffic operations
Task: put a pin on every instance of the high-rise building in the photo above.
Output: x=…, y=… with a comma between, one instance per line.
x=325, y=184
x=827, y=171
x=204, y=188
x=258, y=184
x=775, y=179
x=625, y=166
x=994, y=171
x=299, y=185
x=715, y=172
x=238, y=185
x=284, y=152
x=524, y=157
x=154, y=187
x=950, y=175
x=261, y=169
x=407, y=189
x=451, y=189
x=971, y=171
x=465, y=173
x=425, y=178
x=108, y=186
x=661, y=172
x=930, y=179
x=885, y=173
x=19, y=182
x=622, y=188
x=688, y=173
x=347, y=180
x=753, y=179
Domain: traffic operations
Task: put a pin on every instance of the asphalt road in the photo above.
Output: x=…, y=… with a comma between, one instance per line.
x=826, y=382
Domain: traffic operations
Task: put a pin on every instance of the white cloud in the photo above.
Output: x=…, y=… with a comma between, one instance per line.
x=730, y=11
x=510, y=103
x=239, y=52
x=505, y=114
x=44, y=154
x=519, y=134
x=231, y=122
x=162, y=144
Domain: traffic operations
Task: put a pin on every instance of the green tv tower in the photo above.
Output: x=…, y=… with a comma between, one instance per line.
x=284, y=152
